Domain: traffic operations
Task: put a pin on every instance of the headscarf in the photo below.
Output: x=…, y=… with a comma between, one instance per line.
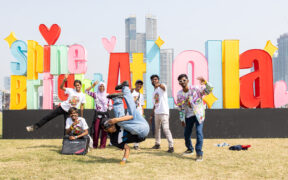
x=101, y=96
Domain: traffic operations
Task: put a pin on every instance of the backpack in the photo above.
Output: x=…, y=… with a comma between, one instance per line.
x=77, y=146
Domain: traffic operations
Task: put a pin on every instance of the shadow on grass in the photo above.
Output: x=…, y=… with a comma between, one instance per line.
x=92, y=159
x=97, y=159
x=41, y=146
x=153, y=152
x=57, y=151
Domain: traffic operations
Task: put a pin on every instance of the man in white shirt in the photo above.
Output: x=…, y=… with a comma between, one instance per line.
x=75, y=99
x=76, y=127
x=139, y=101
x=161, y=113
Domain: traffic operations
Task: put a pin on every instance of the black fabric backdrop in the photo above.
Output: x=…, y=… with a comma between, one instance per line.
x=219, y=123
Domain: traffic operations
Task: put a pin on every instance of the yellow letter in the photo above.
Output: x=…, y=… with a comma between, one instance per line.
x=137, y=68
x=34, y=59
x=18, y=92
x=231, y=85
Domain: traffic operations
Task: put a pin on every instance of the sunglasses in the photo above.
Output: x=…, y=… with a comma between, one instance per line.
x=182, y=81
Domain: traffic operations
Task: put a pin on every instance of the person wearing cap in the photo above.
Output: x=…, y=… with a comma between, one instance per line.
x=124, y=129
x=139, y=101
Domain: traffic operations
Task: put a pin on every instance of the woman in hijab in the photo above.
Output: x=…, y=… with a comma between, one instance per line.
x=102, y=105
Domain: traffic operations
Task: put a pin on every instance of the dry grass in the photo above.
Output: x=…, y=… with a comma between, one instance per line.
x=40, y=159
x=1, y=124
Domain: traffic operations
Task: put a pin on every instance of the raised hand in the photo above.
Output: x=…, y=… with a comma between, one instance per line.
x=201, y=79
x=95, y=83
x=66, y=76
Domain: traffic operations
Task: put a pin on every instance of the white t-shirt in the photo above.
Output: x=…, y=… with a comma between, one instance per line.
x=78, y=128
x=139, y=100
x=160, y=101
x=74, y=99
x=188, y=111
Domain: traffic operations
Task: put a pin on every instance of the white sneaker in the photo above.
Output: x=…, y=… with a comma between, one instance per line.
x=199, y=158
x=188, y=152
x=30, y=128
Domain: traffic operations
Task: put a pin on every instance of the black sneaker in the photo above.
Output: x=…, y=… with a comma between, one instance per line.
x=156, y=146
x=114, y=95
x=136, y=147
x=188, y=152
x=170, y=150
x=199, y=158
x=120, y=86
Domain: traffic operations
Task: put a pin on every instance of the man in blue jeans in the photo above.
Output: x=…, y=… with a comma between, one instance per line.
x=192, y=111
x=132, y=128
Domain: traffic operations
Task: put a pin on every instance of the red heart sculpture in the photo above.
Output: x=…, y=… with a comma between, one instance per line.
x=50, y=35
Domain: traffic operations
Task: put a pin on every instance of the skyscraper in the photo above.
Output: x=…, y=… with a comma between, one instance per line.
x=130, y=34
x=141, y=43
x=280, y=63
x=7, y=83
x=151, y=27
x=166, y=62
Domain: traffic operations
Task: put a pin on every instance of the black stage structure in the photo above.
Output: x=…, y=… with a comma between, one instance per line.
x=219, y=123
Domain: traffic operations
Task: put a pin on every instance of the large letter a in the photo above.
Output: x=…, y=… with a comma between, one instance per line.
x=118, y=61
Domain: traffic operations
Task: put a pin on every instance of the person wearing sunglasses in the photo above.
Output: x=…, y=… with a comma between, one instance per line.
x=192, y=111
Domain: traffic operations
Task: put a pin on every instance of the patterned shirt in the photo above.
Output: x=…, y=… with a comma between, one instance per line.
x=193, y=100
x=100, y=106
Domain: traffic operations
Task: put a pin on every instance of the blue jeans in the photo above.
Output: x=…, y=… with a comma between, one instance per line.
x=199, y=133
x=136, y=126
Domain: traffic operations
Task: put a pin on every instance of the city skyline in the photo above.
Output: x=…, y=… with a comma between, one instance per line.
x=280, y=62
x=188, y=29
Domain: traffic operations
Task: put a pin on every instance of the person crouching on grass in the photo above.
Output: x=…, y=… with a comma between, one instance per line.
x=192, y=111
x=76, y=127
x=122, y=130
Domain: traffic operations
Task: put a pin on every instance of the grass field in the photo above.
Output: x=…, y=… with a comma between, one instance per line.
x=40, y=159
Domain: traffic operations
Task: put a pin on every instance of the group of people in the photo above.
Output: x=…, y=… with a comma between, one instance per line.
x=132, y=127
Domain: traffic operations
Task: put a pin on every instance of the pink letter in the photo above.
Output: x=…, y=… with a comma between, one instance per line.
x=47, y=91
x=180, y=66
x=77, y=59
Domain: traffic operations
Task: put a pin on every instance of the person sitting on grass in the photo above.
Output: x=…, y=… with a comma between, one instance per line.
x=122, y=130
x=76, y=127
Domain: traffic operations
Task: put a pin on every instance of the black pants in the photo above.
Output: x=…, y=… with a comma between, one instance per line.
x=56, y=112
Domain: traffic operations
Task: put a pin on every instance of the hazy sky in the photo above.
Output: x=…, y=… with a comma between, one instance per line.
x=183, y=25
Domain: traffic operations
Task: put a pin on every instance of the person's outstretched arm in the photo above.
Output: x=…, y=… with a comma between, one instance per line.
x=162, y=86
x=126, y=154
x=79, y=136
x=208, y=88
x=87, y=91
x=63, y=82
x=119, y=119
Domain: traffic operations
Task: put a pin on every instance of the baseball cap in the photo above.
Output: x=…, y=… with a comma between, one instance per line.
x=105, y=123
